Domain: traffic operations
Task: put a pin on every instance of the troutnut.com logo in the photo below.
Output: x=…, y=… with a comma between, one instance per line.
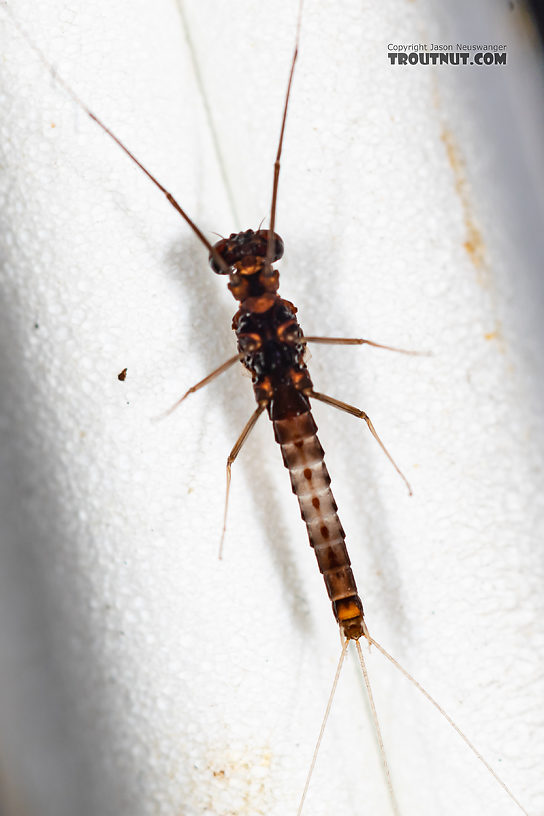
x=459, y=54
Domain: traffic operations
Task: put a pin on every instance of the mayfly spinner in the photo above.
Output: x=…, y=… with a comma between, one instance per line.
x=271, y=346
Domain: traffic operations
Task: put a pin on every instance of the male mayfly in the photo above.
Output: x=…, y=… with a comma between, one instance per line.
x=235, y=759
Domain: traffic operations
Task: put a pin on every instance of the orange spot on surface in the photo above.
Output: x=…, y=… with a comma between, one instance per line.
x=474, y=243
x=496, y=336
x=324, y=530
x=232, y=768
x=307, y=473
x=316, y=502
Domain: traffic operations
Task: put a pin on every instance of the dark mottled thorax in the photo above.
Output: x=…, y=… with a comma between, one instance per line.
x=266, y=326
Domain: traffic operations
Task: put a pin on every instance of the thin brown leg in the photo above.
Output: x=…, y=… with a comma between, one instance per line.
x=232, y=456
x=360, y=415
x=358, y=341
x=202, y=383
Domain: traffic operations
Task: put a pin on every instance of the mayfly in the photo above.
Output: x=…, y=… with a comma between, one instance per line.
x=223, y=763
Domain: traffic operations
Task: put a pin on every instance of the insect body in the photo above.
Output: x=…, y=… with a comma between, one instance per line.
x=271, y=347
x=293, y=363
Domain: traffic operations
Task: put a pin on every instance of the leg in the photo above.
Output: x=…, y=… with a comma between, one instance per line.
x=202, y=383
x=360, y=415
x=358, y=341
x=232, y=456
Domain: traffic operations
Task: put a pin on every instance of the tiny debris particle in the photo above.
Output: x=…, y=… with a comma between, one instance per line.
x=123, y=375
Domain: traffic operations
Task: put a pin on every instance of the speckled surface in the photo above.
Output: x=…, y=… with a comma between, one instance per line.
x=140, y=675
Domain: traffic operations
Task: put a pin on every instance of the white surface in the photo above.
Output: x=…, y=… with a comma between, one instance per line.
x=141, y=675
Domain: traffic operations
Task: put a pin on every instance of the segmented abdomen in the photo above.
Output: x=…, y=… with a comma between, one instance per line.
x=310, y=480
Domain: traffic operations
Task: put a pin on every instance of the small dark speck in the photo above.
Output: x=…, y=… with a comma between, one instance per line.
x=512, y=5
x=36, y=325
x=122, y=376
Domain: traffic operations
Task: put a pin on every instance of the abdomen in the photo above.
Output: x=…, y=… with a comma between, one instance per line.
x=304, y=458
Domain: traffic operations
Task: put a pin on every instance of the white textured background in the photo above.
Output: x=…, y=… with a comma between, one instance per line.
x=139, y=675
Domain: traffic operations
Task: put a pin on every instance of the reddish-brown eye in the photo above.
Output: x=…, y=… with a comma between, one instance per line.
x=277, y=252
x=220, y=248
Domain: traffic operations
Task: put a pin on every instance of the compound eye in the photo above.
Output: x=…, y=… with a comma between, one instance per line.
x=277, y=251
x=220, y=247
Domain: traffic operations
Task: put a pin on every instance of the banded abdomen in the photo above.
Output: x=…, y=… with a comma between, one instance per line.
x=304, y=458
